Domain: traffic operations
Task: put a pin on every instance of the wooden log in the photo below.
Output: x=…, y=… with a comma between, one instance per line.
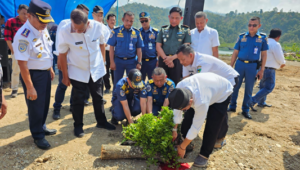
x=121, y=152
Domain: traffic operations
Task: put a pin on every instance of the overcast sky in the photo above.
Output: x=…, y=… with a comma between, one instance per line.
x=225, y=6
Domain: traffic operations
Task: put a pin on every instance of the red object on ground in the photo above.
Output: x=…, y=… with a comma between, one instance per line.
x=183, y=166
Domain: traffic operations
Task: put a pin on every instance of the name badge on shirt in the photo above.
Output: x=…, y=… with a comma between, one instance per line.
x=255, y=50
x=150, y=46
x=131, y=46
x=78, y=43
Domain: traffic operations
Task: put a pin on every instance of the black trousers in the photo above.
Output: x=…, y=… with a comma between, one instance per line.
x=38, y=109
x=79, y=93
x=216, y=125
x=174, y=73
x=107, y=75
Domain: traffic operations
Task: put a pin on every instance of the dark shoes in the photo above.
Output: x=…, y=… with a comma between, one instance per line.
x=14, y=93
x=42, y=143
x=106, y=126
x=200, y=161
x=71, y=108
x=111, y=108
x=265, y=105
x=114, y=121
x=251, y=105
x=50, y=131
x=78, y=132
x=247, y=115
x=107, y=91
x=56, y=114
x=231, y=110
x=104, y=101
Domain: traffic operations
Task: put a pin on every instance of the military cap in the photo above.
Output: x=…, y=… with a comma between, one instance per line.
x=98, y=9
x=179, y=98
x=135, y=76
x=82, y=6
x=144, y=15
x=42, y=10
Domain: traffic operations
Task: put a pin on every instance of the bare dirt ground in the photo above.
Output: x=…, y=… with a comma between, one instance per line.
x=271, y=140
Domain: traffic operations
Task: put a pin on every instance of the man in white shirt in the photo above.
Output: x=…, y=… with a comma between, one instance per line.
x=205, y=40
x=275, y=60
x=201, y=95
x=80, y=40
x=111, y=22
x=195, y=62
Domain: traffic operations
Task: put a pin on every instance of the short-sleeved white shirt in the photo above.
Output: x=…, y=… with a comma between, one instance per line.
x=204, y=41
x=108, y=46
x=84, y=55
x=207, y=89
x=33, y=46
x=206, y=63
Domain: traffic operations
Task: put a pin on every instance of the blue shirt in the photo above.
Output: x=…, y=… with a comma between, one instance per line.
x=121, y=39
x=251, y=47
x=159, y=94
x=124, y=92
x=149, y=38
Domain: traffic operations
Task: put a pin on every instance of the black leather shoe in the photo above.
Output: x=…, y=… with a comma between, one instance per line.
x=71, y=108
x=247, y=115
x=104, y=101
x=231, y=110
x=78, y=132
x=111, y=108
x=86, y=102
x=107, y=91
x=265, y=105
x=42, y=143
x=251, y=105
x=114, y=121
x=56, y=114
x=50, y=131
x=106, y=126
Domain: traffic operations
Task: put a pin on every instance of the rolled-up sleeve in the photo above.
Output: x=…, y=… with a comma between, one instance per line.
x=177, y=118
x=62, y=45
x=105, y=33
x=199, y=117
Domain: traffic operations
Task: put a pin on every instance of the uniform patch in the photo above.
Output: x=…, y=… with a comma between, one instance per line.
x=148, y=88
x=133, y=36
x=152, y=36
x=259, y=40
x=244, y=39
x=120, y=35
x=155, y=91
x=138, y=78
x=151, y=81
x=127, y=92
x=165, y=91
x=198, y=69
x=144, y=92
x=34, y=40
x=171, y=89
x=169, y=83
x=26, y=32
x=122, y=93
x=39, y=55
x=179, y=40
x=23, y=44
x=78, y=43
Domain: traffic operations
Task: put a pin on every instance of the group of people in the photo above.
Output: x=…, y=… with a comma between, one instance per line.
x=181, y=65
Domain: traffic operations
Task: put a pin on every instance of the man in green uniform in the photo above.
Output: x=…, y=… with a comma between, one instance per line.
x=169, y=39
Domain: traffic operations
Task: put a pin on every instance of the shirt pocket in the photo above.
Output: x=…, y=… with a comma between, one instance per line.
x=94, y=44
x=180, y=37
x=243, y=45
x=37, y=49
x=120, y=41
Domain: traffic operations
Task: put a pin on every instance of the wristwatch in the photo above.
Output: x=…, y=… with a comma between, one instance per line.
x=140, y=63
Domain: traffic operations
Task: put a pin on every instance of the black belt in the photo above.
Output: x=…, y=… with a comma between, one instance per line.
x=170, y=54
x=148, y=59
x=39, y=70
x=270, y=68
x=246, y=61
x=125, y=58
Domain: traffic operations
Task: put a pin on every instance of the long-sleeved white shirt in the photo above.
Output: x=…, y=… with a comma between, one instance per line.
x=207, y=89
x=275, y=57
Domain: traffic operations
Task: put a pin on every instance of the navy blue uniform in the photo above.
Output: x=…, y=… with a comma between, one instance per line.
x=123, y=92
x=249, y=49
x=159, y=94
x=149, y=51
x=126, y=42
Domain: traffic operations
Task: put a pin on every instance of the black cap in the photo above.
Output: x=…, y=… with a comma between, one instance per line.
x=98, y=9
x=42, y=10
x=135, y=76
x=179, y=98
x=82, y=6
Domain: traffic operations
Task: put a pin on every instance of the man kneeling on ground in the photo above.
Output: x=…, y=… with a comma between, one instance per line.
x=129, y=97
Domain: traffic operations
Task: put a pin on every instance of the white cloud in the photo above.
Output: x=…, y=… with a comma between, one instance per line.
x=225, y=6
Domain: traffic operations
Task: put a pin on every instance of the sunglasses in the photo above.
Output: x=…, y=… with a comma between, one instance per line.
x=144, y=21
x=252, y=25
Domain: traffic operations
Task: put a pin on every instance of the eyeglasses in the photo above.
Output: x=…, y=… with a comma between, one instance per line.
x=144, y=21
x=252, y=25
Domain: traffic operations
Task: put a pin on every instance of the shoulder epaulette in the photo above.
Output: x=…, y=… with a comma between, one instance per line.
x=169, y=83
x=155, y=29
x=186, y=26
x=243, y=33
x=26, y=32
x=150, y=81
x=261, y=33
x=165, y=26
x=117, y=27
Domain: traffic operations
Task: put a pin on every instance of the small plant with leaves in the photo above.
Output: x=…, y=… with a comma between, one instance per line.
x=154, y=135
